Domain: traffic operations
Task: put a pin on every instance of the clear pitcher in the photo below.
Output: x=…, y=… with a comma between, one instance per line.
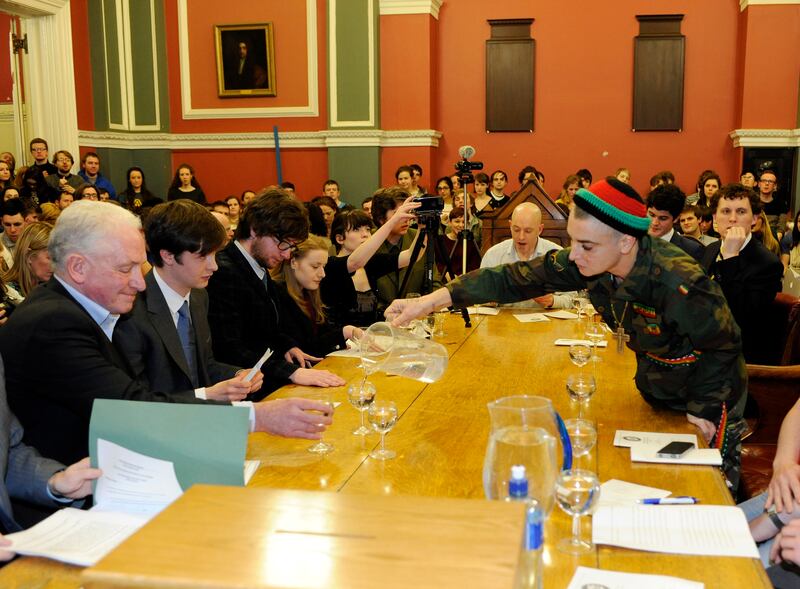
x=525, y=430
x=397, y=351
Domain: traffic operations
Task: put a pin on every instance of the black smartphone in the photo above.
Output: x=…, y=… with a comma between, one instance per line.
x=675, y=449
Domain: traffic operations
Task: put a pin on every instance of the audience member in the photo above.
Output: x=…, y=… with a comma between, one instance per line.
x=244, y=310
x=349, y=287
x=90, y=173
x=10, y=192
x=749, y=275
x=568, y=190
x=136, y=192
x=32, y=265
x=585, y=176
x=64, y=200
x=86, y=192
x=185, y=185
x=690, y=225
x=329, y=208
x=226, y=224
x=97, y=251
x=316, y=220
x=34, y=179
x=444, y=188
x=774, y=206
x=790, y=250
x=524, y=245
x=13, y=220
x=686, y=342
x=63, y=181
x=664, y=206
x=366, y=205
x=50, y=212
x=416, y=177
x=386, y=202
x=707, y=185
x=248, y=195
x=748, y=179
x=288, y=187
x=6, y=175
x=763, y=232
x=450, y=251
x=298, y=280
x=234, y=210
x=9, y=159
x=623, y=175
x=331, y=188
x=499, y=181
x=403, y=178
x=481, y=199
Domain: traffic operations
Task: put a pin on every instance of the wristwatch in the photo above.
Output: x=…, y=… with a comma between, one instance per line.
x=772, y=513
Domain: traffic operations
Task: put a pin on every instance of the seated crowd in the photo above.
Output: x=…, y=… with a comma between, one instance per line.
x=129, y=296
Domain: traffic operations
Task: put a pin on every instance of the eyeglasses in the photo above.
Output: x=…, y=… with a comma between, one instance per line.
x=284, y=245
x=767, y=181
x=38, y=149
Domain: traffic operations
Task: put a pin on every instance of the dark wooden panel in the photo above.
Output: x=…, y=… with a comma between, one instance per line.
x=509, y=84
x=658, y=83
x=660, y=24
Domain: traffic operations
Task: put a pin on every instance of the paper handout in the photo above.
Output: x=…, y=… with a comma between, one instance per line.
x=531, y=318
x=649, y=453
x=615, y=492
x=589, y=577
x=627, y=438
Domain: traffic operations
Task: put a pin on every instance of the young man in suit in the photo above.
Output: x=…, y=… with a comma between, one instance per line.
x=749, y=274
x=58, y=344
x=664, y=206
x=166, y=338
x=244, y=311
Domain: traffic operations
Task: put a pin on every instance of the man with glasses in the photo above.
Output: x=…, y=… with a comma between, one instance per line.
x=63, y=182
x=773, y=206
x=244, y=309
x=34, y=184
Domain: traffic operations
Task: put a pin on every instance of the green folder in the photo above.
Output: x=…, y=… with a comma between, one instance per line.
x=206, y=443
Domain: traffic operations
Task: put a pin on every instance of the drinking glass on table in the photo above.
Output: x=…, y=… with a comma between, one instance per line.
x=361, y=395
x=581, y=387
x=582, y=434
x=322, y=447
x=382, y=417
x=595, y=333
x=577, y=493
x=580, y=354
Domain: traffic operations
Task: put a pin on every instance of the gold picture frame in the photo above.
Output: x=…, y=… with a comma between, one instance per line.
x=245, y=60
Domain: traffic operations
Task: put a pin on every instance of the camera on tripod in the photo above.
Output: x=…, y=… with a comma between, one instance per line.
x=429, y=204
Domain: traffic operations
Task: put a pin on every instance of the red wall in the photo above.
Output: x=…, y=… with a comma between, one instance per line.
x=583, y=96
x=6, y=82
x=81, y=58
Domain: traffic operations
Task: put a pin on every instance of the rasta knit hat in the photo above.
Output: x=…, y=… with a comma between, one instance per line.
x=616, y=204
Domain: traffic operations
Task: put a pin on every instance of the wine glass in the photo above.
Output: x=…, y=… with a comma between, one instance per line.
x=580, y=354
x=382, y=417
x=361, y=397
x=595, y=333
x=581, y=387
x=322, y=447
x=577, y=493
x=582, y=434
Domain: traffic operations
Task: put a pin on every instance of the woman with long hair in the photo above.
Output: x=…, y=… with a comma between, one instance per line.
x=568, y=190
x=306, y=322
x=234, y=210
x=6, y=175
x=185, y=185
x=136, y=192
x=32, y=264
x=763, y=232
x=792, y=259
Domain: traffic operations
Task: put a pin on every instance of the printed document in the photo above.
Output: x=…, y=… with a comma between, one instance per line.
x=589, y=577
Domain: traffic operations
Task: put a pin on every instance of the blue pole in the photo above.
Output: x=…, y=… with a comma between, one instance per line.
x=277, y=153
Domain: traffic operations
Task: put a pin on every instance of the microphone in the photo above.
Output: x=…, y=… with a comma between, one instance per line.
x=465, y=152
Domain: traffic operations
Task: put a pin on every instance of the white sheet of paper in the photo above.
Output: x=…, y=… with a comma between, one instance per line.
x=483, y=310
x=531, y=317
x=250, y=468
x=133, y=482
x=561, y=314
x=647, y=453
x=568, y=342
x=76, y=536
x=348, y=353
x=713, y=530
x=616, y=492
x=589, y=577
x=627, y=438
x=258, y=365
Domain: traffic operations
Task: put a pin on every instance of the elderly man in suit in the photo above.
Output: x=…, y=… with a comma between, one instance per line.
x=58, y=345
x=749, y=274
x=244, y=310
x=664, y=206
x=29, y=477
x=166, y=338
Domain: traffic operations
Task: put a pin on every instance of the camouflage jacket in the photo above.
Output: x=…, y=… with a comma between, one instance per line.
x=688, y=347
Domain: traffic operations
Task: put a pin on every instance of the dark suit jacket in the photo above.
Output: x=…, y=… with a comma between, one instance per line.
x=58, y=362
x=245, y=318
x=149, y=340
x=750, y=282
x=24, y=473
x=690, y=246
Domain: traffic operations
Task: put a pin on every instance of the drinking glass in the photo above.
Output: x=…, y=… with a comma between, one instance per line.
x=322, y=447
x=382, y=417
x=582, y=434
x=577, y=493
x=595, y=333
x=361, y=395
x=581, y=387
x=580, y=354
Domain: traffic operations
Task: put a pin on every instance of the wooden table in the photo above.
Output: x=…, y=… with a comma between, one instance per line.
x=441, y=438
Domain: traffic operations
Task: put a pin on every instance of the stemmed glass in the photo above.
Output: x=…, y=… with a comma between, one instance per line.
x=322, y=447
x=581, y=387
x=595, y=333
x=582, y=434
x=577, y=493
x=580, y=354
x=382, y=417
x=361, y=397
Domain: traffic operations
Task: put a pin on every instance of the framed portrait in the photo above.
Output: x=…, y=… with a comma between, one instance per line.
x=245, y=60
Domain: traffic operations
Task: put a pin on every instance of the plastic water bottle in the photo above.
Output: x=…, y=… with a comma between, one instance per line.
x=529, y=569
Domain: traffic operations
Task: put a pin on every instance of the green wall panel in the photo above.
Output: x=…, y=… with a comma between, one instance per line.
x=156, y=164
x=142, y=45
x=357, y=170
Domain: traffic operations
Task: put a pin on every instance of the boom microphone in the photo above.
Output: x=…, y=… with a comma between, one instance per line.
x=465, y=152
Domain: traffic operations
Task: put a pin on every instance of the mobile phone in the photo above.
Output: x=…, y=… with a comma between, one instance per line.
x=675, y=449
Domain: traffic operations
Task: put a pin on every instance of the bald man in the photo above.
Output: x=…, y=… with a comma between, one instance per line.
x=525, y=245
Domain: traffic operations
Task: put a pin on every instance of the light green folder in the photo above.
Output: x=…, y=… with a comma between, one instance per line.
x=207, y=443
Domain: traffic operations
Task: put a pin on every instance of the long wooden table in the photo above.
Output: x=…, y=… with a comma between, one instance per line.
x=441, y=436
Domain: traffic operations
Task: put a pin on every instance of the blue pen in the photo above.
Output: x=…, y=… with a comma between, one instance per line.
x=670, y=501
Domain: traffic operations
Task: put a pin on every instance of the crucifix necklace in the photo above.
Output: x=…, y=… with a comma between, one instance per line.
x=619, y=333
